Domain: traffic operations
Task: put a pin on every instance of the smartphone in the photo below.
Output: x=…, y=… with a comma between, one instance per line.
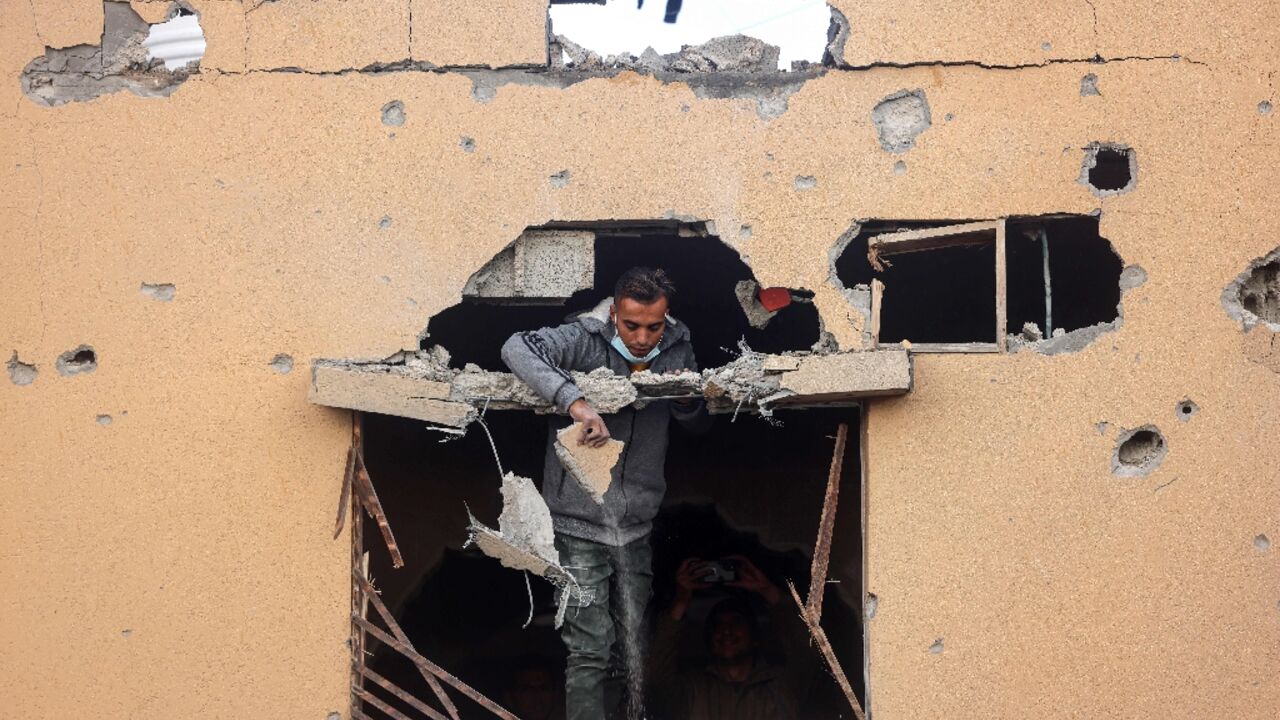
x=720, y=571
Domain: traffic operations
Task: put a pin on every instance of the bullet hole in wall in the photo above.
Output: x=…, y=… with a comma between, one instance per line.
x=1262, y=542
x=1186, y=409
x=1109, y=169
x=560, y=179
x=281, y=363
x=1139, y=451
x=936, y=647
x=164, y=292
x=21, y=373
x=74, y=362
x=393, y=114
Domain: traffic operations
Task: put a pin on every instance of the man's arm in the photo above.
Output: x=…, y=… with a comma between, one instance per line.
x=540, y=358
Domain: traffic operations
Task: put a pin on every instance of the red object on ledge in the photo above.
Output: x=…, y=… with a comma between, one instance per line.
x=774, y=298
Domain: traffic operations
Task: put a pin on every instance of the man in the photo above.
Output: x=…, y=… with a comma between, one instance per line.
x=737, y=683
x=606, y=545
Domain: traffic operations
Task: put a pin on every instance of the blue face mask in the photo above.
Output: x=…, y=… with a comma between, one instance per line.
x=626, y=354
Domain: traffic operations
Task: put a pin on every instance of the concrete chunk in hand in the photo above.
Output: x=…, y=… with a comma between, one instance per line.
x=591, y=467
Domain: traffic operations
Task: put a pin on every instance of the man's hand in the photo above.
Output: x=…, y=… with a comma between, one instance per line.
x=594, y=432
x=751, y=578
x=688, y=581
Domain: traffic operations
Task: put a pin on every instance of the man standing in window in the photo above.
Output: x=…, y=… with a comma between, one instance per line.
x=606, y=545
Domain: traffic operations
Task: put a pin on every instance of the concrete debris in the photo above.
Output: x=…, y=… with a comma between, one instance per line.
x=75, y=362
x=525, y=519
x=164, y=292
x=649, y=384
x=84, y=72
x=730, y=53
x=1138, y=452
x=1031, y=333
x=1063, y=341
x=421, y=385
x=900, y=118
x=525, y=539
x=591, y=467
x=21, y=373
x=1253, y=298
x=747, y=293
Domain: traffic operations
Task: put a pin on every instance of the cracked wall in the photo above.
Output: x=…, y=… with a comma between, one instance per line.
x=185, y=545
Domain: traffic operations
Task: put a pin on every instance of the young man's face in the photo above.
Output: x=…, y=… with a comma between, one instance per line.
x=731, y=638
x=639, y=325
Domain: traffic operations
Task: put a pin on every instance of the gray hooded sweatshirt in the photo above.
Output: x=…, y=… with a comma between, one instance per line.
x=543, y=359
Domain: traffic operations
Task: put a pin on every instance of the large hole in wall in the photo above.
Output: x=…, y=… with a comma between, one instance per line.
x=706, y=273
x=748, y=487
x=724, y=35
x=1061, y=276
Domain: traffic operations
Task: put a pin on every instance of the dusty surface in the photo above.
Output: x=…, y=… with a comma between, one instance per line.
x=591, y=467
x=178, y=561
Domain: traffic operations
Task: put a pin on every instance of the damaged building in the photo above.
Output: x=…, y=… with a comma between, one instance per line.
x=985, y=302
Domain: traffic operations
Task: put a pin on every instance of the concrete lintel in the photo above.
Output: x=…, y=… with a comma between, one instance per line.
x=822, y=379
x=388, y=393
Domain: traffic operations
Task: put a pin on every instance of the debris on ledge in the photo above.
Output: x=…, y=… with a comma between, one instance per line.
x=422, y=386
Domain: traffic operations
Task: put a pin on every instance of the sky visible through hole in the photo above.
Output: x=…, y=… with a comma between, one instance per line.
x=798, y=27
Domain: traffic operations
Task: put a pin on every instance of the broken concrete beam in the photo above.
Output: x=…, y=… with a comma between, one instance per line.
x=540, y=267
x=607, y=392
x=591, y=467
x=846, y=376
x=652, y=385
x=388, y=393
x=780, y=363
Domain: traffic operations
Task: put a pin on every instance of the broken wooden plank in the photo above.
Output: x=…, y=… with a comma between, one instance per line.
x=404, y=695
x=830, y=379
x=1002, y=311
x=388, y=393
x=369, y=499
x=828, y=654
x=348, y=479
x=413, y=655
x=826, y=525
x=931, y=238
x=371, y=595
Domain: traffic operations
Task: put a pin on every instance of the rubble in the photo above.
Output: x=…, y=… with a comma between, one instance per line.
x=422, y=386
x=729, y=53
x=524, y=539
x=591, y=467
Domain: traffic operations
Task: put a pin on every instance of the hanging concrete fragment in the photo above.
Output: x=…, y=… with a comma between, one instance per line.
x=524, y=539
x=591, y=467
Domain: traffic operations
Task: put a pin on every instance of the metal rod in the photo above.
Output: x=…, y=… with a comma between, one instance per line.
x=1048, y=285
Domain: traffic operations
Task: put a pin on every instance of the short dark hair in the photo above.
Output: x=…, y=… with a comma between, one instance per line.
x=645, y=285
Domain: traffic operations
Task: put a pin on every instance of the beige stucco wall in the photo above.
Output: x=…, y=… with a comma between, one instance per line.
x=200, y=521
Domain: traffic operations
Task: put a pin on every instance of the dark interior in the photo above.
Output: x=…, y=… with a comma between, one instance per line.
x=1111, y=170
x=748, y=486
x=948, y=294
x=704, y=270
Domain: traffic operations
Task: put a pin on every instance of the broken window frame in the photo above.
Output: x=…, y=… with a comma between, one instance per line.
x=946, y=236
